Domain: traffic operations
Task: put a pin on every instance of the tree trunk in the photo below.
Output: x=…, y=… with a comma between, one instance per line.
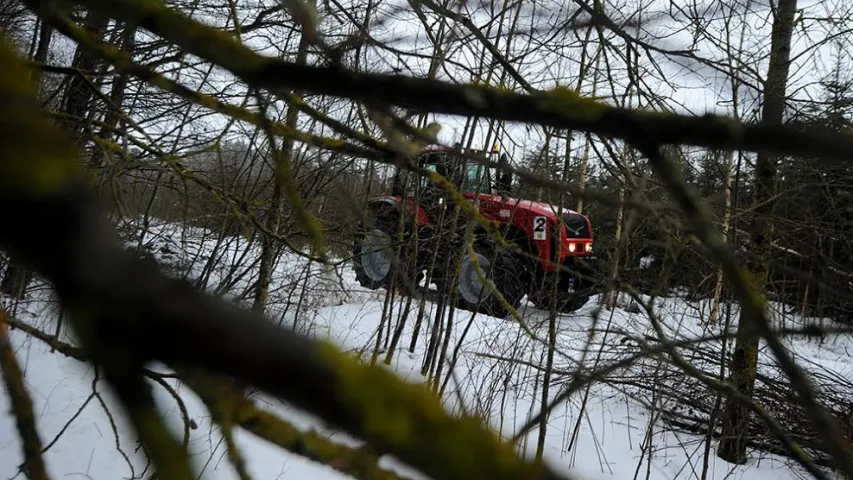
x=727, y=215
x=584, y=166
x=15, y=280
x=282, y=157
x=610, y=298
x=78, y=95
x=17, y=276
x=45, y=35
x=735, y=420
x=117, y=94
x=727, y=209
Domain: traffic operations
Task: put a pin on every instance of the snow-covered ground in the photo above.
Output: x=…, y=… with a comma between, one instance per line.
x=603, y=433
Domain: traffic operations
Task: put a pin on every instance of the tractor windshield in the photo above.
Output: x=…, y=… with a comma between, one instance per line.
x=468, y=175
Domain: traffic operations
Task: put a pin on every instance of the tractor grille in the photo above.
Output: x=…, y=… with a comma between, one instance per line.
x=576, y=226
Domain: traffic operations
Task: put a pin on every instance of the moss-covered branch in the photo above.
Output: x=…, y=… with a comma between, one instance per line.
x=123, y=63
x=40, y=175
x=127, y=312
x=560, y=108
x=222, y=400
x=64, y=348
x=226, y=401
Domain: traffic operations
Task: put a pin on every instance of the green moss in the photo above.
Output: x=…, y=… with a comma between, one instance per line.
x=168, y=455
x=503, y=88
x=569, y=101
x=756, y=282
x=359, y=463
x=800, y=453
x=225, y=400
x=412, y=424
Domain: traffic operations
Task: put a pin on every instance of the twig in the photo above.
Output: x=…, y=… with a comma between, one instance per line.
x=753, y=310
x=126, y=312
x=22, y=407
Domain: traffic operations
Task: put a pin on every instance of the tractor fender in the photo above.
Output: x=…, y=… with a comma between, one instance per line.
x=413, y=213
x=516, y=233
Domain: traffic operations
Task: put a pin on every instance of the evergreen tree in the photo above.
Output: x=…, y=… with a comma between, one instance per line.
x=817, y=199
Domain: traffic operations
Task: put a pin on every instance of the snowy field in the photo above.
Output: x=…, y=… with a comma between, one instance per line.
x=606, y=432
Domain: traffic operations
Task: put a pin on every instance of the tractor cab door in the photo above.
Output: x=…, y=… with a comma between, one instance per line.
x=410, y=184
x=469, y=175
x=418, y=188
x=434, y=198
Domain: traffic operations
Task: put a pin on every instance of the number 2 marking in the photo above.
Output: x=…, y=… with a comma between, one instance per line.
x=539, y=232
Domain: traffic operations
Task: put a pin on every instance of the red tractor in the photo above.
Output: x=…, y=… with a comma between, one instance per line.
x=419, y=230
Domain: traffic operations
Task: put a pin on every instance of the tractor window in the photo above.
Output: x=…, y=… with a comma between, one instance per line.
x=478, y=178
x=424, y=180
x=472, y=178
x=406, y=182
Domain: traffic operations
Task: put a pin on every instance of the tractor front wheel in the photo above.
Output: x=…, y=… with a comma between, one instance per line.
x=565, y=302
x=573, y=291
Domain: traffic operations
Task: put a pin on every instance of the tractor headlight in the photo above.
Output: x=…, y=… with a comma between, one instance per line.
x=588, y=247
x=572, y=247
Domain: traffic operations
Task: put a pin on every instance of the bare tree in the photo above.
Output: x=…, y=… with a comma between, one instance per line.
x=743, y=369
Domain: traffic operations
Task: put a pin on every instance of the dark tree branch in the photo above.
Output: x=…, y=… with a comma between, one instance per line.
x=560, y=108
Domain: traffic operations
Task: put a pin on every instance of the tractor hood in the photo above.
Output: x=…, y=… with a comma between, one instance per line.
x=539, y=208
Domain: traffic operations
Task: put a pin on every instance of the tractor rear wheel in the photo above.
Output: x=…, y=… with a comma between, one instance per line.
x=503, y=269
x=376, y=261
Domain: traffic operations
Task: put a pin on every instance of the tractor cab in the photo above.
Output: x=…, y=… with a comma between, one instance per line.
x=473, y=172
